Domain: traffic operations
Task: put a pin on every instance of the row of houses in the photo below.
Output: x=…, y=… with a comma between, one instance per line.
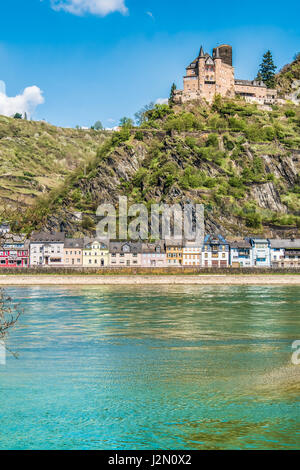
x=54, y=249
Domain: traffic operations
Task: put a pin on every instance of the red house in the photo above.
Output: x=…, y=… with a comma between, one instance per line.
x=14, y=252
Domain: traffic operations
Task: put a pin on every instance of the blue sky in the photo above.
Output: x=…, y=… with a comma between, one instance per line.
x=91, y=65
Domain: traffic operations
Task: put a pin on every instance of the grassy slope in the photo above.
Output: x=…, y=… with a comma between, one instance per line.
x=35, y=157
x=287, y=76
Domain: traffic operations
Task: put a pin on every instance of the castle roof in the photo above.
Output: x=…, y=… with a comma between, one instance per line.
x=201, y=53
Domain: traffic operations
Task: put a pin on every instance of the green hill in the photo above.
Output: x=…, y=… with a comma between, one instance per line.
x=288, y=81
x=35, y=157
x=242, y=162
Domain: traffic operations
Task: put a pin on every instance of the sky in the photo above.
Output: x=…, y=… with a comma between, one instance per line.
x=73, y=62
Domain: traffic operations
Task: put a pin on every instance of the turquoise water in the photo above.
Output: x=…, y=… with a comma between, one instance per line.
x=152, y=368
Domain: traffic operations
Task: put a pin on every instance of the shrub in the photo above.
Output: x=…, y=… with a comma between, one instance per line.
x=290, y=113
x=253, y=220
x=87, y=223
x=212, y=141
x=139, y=135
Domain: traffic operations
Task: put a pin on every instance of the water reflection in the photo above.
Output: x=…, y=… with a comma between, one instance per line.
x=147, y=367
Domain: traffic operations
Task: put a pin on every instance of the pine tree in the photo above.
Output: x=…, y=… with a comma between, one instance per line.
x=267, y=70
x=259, y=77
x=172, y=93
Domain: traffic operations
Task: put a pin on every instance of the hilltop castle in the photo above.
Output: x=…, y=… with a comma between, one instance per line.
x=209, y=75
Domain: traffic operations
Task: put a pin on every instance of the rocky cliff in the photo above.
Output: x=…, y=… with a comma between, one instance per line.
x=241, y=162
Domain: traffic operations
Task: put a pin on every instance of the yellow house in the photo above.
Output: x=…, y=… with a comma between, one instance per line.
x=95, y=254
x=174, y=252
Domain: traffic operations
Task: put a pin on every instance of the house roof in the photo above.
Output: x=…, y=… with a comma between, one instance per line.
x=158, y=247
x=215, y=239
x=74, y=243
x=240, y=244
x=281, y=243
x=89, y=241
x=9, y=242
x=172, y=242
x=47, y=237
x=125, y=247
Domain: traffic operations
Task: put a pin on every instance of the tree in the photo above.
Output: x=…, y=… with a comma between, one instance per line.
x=172, y=94
x=297, y=56
x=9, y=315
x=18, y=116
x=98, y=126
x=141, y=115
x=259, y=77
x=126, y=123
x=267, y=70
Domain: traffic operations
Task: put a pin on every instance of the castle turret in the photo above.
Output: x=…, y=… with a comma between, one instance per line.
x=201, y=53
x=225, y=53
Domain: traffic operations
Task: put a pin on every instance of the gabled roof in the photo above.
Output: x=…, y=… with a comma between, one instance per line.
x=173, y=242
x=47, y=237
x=209, y=61
x=158, y=247
x=215, y=239
x=88, y=242
x=259, y=240
x=125, y=247
x=74, y=243
x=240, y=244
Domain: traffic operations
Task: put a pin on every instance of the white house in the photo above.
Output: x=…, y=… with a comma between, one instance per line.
x=260, y=252
x=241, y=254
x=215, y=252
x=191, y=254
x=47, y=249
x=153, y=255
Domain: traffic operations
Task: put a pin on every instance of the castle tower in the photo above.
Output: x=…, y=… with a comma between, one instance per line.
x=225, y=52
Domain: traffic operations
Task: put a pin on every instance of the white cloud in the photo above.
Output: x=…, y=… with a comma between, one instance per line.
x=162, y=101
x=94, y=7
x=149, y=13
x=24, y=103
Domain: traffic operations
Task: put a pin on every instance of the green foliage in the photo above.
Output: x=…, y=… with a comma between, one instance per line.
x=267, y=70
x=126, y=123
x=228, y=142
x=98, y=126
x=290, y=113
x=87, y=223
x=141, y=115
x=139, y=135
x=184, y=121
x=119, y=137
x=172, y=94
x=18, y=116
x=192, y=178
x=158, y=112
x=212, y=141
